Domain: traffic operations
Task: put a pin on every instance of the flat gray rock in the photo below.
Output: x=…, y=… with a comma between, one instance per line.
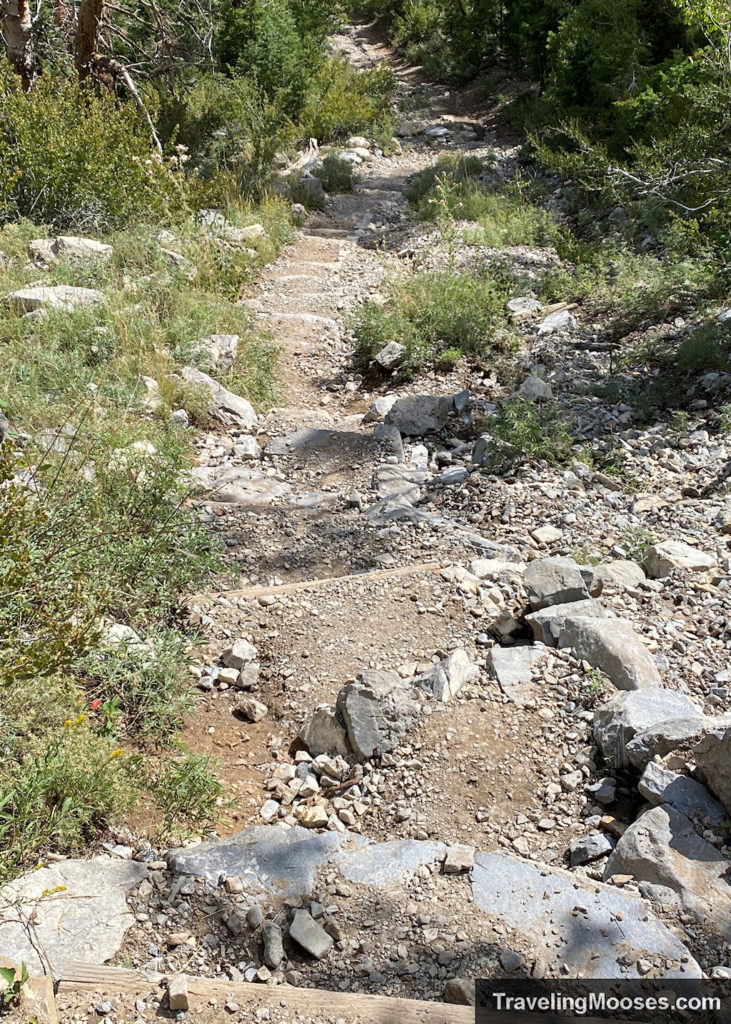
x=513, y=668
x=669, y=555
x=268, y=858
x=620, y=574
x=614, y=647
x=584, y=929
x=662, y=847
x=225, y=406
x=415, y=415
x=661, y=786
x=60, y=296
x=399, y=482
x=551, y=581
x=618, y=721
x=384, y=864
x=85, y=920
x=548, y=622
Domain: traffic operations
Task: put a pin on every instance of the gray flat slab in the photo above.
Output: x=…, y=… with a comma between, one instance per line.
x=72, y=910
x=593, y=930
x=270, y=858
x=382, y=864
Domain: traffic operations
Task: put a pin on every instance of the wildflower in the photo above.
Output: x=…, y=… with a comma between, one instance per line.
x=96, y=704
x=67, y=723
x=80, y=720
x=117, y=753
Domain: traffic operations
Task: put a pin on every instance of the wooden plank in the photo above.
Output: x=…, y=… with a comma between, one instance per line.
x=249, y=593
x=352, y=1006
x=374, y=1009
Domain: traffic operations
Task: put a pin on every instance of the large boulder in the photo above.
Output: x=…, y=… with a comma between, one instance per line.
x=662, y=847
x=550, y=581
x=663, y=558
x=377, y=710
x=713, y=757
x=580, y=928
x=225, y=406
x=73, y=247
x=548, y=622
x=663, y=738
x=71, y=910
x=618, y=721
x=612, y=646
x=60, y=296
x=416, y=415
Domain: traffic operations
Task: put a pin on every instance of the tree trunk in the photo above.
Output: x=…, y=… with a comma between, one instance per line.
x=17, y=31
x=87, y=35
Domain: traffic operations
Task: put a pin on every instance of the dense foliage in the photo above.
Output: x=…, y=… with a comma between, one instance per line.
x=185, y=105
x=630, y=102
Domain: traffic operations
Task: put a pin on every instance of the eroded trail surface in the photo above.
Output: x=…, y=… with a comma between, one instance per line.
x=367, y=721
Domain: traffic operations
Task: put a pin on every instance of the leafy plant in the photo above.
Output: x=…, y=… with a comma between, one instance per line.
x=436, y=312
x=188, y=792
x=13, y=985
x=535, y=431
x=337, y=175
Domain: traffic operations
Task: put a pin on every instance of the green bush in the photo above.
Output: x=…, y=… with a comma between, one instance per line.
x=435, y=313
x=337, y=175
x=346, y=101
x=449, y=169
x=188, y=793
x=75, y=158
x=535, y=431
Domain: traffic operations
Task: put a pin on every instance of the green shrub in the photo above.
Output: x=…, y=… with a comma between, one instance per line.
x=337, y=175
x=452, y=169
x=188, y=793
x=433, y=313
x=72, y=157
x=346, y=101
x=59, y=787
x=534, y=430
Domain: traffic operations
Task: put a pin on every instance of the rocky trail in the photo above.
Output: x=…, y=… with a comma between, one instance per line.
x=454, y=745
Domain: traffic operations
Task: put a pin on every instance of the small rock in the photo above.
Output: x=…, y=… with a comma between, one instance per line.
x=459, y=858
x=391, y=356
x=308, y=934
x=178, y=992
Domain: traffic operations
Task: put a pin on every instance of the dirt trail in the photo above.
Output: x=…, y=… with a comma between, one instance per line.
x=312, y=640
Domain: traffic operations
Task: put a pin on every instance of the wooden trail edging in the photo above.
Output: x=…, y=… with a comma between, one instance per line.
x=352, y=1006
